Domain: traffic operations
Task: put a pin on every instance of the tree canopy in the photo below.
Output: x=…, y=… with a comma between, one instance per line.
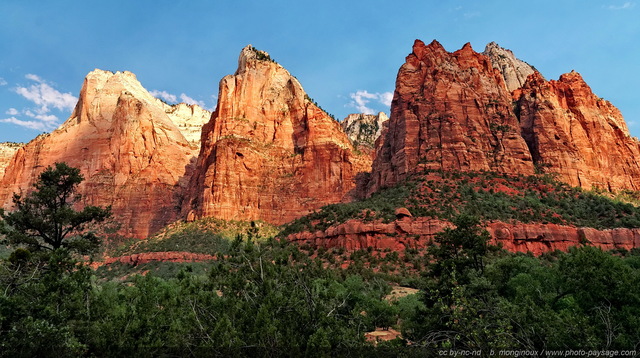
x=45, y=218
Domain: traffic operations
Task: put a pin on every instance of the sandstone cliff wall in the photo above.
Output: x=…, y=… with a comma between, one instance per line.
x=268, y=152
x=130, y=152
x=419, y=232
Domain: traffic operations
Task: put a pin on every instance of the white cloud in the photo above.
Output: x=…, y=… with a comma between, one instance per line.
x=173, y=99
x=45, y=96
x=361, y=100
x=31, y=76
x=626, y=6
x=41, y=116
x=164, y=95
x=3, y=82
x=188, y=100
x=37, y=125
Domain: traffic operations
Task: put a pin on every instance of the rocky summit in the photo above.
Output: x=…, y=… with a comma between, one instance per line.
x=473, y=111
x=514, y=71
x=269, y=152
x=575, y=134
x=131, y=148
x=364, y=129
x=450, y=111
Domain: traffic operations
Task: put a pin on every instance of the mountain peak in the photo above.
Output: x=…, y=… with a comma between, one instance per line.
x=514, y=70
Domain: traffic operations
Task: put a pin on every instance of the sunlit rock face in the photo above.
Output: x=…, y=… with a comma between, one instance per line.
x=513, y=70
x=470, y=111
x=364, y=129
x=7, y=151
x=269, y=152
x=127, y=146
x=572, y=133
x=450, y=111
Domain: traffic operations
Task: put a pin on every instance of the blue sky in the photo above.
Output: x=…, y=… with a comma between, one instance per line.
x=346, y=54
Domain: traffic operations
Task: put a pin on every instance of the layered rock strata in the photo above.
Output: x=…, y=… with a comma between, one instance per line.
x=269, y=152
x=469, y=111
x=409, y=232
x=126, y=145
x=450, y=111
x=572, y=133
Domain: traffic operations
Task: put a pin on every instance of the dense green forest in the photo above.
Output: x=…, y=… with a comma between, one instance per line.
x=274, y=296
x=264, y=296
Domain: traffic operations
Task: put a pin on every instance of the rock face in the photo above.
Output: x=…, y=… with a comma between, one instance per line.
x=268, y=152
x=419, y=232
x=471, y=111
x=189, y=118
x=130, y=152
x=449, y=111
x=7, y=151
x=575, y=134
x=514, y=71
x=364, y=129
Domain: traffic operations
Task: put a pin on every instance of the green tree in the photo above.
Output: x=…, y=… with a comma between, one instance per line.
x=46, y=219
x=460, y=249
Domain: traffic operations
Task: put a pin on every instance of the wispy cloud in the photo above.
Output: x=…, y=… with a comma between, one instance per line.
x=46, y=98
x=173, y=99
x=3, y=82
x=361, y=100
x=626, y=6
x=49, y=118
x=188, y=100
x=164, y=95
x=37, y=125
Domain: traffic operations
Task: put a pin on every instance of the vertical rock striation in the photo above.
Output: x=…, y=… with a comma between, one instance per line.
x=576, y=135
x=450, y=111
x=269, y=152
x=7, y=151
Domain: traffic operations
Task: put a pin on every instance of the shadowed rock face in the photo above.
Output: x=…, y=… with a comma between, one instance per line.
x=268, y=152
x=420, y=232
x=449, y=111
x=126, y=145
x=575, y=134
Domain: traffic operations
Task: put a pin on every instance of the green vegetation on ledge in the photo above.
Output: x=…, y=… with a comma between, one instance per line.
x=487, y=195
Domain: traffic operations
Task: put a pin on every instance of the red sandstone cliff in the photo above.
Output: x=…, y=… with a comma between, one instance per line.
x=454, y=111
x=575, y=134
x=127, y=146
x=268, y=152
x=449, y=111
x=408, y=232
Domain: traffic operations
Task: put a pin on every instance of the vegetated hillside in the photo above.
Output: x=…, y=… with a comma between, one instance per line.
x=489, y=196
x=271, y=298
